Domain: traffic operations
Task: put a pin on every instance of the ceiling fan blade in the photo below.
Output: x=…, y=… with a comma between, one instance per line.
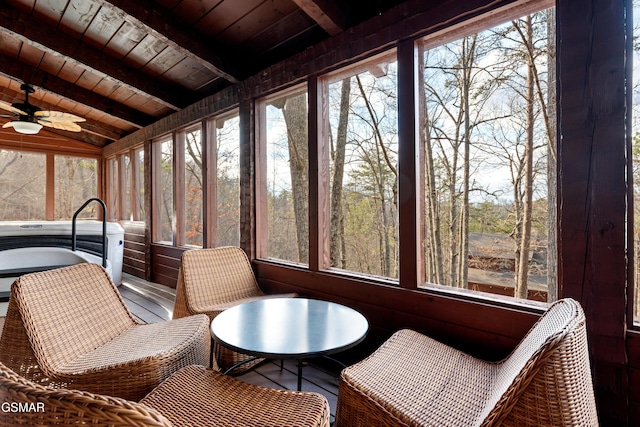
x=57, y=116
x=70, y=126
x=9, y=107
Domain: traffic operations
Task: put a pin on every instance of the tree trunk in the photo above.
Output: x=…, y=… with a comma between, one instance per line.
x=552, y=232
x=434, y=240
x=525, y=242
x=382, y=156
x=295, y=115
x=337, y=215
x=468, y=61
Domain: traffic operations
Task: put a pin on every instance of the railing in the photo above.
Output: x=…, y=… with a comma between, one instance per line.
x=104, y=228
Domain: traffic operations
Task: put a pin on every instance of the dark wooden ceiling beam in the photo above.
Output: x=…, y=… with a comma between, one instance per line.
x=328, y=14
x=20, y=71
x=145, y=15
x=29, y=30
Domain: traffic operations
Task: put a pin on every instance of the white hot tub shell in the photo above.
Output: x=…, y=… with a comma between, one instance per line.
x=34, y=232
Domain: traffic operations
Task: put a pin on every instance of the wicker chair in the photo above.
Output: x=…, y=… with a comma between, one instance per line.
x=193, y=396
x=212, y=280
x=70, y=328
x=412, y=380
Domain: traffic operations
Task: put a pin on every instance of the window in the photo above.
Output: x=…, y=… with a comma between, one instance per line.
x=228, y=180
x=125, y=188
x=192, y=188
x=488, y=129
x=76, y=181
x=138, y=212
x=284, y=195
x=113, y=189
x=22, y=185
x=163, y=210
x=363, y=150
x=27, y=194
x=196, y=184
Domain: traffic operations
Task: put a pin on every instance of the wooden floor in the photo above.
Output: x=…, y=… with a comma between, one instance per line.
x=152, y=303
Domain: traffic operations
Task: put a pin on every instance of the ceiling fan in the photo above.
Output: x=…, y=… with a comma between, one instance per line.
x=31, y=118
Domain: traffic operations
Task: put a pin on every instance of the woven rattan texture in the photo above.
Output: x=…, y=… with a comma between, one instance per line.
x=413, y=380
x=44, y=406
x=70, y=328
x=226, y=401
x=212, y=280
x=193, y=396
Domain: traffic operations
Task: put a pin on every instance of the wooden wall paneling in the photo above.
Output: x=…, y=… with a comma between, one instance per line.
x=592, y=199
x=134, y=248
x=633, y=355
x=166, y=263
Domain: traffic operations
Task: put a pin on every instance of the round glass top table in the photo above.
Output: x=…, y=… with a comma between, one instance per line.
x=289, y=328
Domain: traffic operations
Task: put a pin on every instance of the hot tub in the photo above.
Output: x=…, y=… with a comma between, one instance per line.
x=15, y=262
x=38, y=234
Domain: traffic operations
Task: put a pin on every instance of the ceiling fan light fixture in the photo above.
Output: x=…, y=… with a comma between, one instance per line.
x=24, y=127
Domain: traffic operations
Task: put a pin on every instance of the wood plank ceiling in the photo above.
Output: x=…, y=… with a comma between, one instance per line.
x=123, y=64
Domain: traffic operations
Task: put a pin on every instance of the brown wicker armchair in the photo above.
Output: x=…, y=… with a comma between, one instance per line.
x=212, y=280
x=70, y=328
x=193, y=396
x=412, y=380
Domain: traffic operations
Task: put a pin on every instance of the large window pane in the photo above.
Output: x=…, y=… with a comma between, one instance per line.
x=138, y=169
x=363, y=163
x=125, y=189
x=285, y=136
x=22, y=185
x=163, y=194
x=113, y=189
x=193, y=187
x=488, y=123
x=228, y=181
x=76, y=181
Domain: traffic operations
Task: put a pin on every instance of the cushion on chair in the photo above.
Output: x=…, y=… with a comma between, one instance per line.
x=413, y=380
x=70, y=328
x=192, y=396
x=226, y=401
x=213, y=280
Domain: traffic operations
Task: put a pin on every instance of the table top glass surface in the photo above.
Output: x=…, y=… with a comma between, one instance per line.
x=289, y=327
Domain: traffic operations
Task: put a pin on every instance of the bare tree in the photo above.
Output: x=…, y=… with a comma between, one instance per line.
x=337, y=253
x=295, y=115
